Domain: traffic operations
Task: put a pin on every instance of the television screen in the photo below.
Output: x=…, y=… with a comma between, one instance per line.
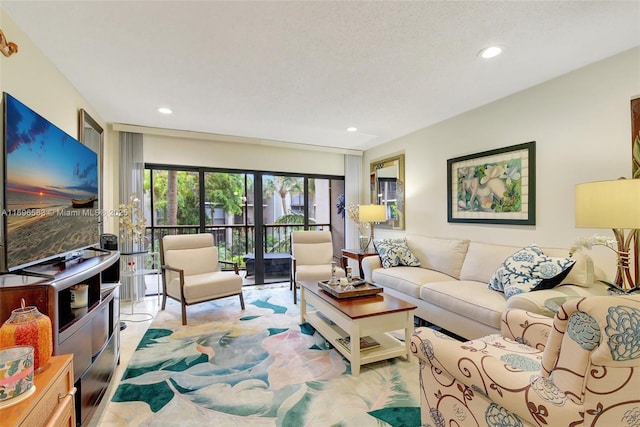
x=50, y=189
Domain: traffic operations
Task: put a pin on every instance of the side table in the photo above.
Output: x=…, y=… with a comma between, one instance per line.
x=358, y=255
x=137, y=265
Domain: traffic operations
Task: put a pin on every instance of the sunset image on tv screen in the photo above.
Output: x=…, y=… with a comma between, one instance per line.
x=51, y=188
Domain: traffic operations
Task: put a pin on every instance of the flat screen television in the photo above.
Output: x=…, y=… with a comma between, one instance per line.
x=50, y=190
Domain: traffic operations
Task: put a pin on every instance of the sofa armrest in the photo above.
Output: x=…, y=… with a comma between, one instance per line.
x=534, y=301
x=527, y=328
x=369, y=264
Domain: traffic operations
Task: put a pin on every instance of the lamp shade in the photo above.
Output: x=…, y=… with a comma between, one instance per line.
x=372, y=213
x=608, y=204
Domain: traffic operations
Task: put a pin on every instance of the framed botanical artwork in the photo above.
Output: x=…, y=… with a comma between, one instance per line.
x=493, y=187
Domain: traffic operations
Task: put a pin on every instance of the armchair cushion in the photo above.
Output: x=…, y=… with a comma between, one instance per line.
x=316, y=272
x=200, y=287
x=312, y=247
x=195, y=254
x=194, y=261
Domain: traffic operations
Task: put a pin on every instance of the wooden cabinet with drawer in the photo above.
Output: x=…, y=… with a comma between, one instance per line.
x=52, y=403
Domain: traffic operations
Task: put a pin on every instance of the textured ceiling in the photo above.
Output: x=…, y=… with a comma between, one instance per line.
x=304, y=71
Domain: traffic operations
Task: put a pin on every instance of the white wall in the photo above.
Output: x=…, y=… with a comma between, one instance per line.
x=218, y=153
x=33, y=79
x=30, y=77
x=581, y=123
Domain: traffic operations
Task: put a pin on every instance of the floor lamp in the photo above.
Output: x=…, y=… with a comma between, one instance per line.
x=616, y=205
x=371, y=214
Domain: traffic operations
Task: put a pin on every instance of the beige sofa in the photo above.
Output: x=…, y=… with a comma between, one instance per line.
x=450, y=288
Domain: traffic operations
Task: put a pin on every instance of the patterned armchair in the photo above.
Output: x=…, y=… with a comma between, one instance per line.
x=580, y=368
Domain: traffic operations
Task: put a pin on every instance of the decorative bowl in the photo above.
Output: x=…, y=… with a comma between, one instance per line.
x=16, y=371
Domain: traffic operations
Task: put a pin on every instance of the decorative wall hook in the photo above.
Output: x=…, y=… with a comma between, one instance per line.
x=6, y=47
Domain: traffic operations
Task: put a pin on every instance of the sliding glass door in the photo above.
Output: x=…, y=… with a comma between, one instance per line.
x=232, y=205
x=226, y=214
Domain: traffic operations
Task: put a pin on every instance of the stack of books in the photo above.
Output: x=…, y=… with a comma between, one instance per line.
x=366, y=343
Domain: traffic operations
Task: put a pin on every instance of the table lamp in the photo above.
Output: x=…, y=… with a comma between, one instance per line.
x=613, y=204
x=371, y=214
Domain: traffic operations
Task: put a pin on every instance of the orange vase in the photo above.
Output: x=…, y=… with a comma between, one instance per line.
x=27, y=326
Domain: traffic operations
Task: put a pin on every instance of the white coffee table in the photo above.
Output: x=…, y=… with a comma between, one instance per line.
x=373, y=316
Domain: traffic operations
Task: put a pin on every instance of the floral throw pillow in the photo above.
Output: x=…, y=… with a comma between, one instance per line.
x=529, y=269
x=394, y=252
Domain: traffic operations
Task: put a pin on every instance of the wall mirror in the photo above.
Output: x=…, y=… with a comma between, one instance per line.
x=387, y=188
x=91, y=134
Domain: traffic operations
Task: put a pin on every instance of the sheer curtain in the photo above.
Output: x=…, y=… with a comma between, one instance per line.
x=131, y=182
x=131, y=174
x=352, y=189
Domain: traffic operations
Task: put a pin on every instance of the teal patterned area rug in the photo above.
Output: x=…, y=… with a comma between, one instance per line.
x=257, y=367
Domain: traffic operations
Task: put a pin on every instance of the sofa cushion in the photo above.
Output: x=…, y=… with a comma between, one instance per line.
x=529, y=269
x=443, y=255
x=483, y=259
x=582, y=273
x=467, y=298
x=407, y=280
x=395, y=252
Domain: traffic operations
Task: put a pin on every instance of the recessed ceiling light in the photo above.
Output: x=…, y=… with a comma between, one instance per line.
x=352, y=129
x=165, y=110
x=490, y=52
